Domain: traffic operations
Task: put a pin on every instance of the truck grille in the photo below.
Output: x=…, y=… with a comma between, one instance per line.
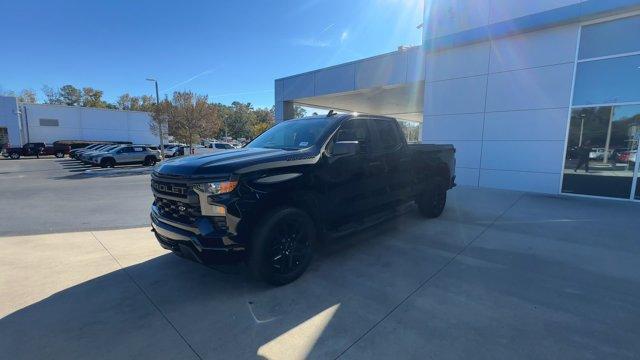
x=177, y=211
x=171, y=189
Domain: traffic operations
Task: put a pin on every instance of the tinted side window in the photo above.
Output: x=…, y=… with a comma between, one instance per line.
x=220, y=146
x=387, y=134
x=355, y=130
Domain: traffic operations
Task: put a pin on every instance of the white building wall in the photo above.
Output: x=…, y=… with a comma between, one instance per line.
x=78, y=123
x=9, y=118
x=504, y=104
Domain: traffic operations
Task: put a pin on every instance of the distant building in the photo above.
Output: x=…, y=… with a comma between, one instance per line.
x=21, y=123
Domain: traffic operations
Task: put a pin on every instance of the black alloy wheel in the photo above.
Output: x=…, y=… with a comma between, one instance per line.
x=290, y=246
x=282, y=245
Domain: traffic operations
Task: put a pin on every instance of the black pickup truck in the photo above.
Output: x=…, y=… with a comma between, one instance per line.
x=36, y=149
x=271, y=202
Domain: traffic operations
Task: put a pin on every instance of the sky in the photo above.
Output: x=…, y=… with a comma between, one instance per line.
x=228, y=50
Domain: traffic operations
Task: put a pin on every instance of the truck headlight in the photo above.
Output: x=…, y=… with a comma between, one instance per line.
x=218, y=187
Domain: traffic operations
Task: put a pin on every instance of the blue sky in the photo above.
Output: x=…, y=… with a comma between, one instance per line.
x=229, y=50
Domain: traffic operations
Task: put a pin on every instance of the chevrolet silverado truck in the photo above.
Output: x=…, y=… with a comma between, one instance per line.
x=270, y=203
x=35, y=149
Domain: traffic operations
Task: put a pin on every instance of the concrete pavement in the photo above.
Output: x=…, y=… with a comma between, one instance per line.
x=500, y=275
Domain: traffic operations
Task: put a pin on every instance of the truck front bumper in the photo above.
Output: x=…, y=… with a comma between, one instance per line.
x=197, y=243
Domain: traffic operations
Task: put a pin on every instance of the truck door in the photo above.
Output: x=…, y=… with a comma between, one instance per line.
x=347, y=177
x=394, y=178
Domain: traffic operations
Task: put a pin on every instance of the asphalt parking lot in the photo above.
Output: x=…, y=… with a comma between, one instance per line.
x=501, y=275
x=50, y=195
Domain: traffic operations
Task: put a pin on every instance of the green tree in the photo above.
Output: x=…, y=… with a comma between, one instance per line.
x=52, y=96
x=299, y=111
x=92, y=98
x=124, y=102
x=239, y=120
x=70, y=95
x=189, y=117
x=263, y=120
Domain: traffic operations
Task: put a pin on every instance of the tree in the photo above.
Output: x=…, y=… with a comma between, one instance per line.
x=189, y=117
x=299, y=111
x=124, y=102
x=92, y=98
x=70, y=95
x=264, y=119
x=160, y=117
x=52, y=95
x=238, y=121
x=27, y=96
x=146, y=103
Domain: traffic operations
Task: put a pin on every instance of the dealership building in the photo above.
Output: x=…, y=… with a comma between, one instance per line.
x=22, y=123
x=540, y=96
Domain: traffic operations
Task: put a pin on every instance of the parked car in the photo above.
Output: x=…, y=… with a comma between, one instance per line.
x=74, y=153
x=212, y=147
x=85, y=157
x=268, y=202
x=628, y=156
x=598, y=153
x=128, y=154
x=88, y=157
x=35, y=149
x=175, y=151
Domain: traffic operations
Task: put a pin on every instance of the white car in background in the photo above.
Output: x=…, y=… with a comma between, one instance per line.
x=212, y=147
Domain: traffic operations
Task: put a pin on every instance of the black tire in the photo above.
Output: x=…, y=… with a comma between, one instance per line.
x=107, y=163
x=432, y=201
x=59, y=154
x=14, y=156
x=149, y=161
x=282, y=245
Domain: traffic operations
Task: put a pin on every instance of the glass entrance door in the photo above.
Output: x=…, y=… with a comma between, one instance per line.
x=602, y=152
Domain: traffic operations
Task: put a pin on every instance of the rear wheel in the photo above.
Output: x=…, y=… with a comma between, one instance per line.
x=14, y=156
x=282, y=246
x=432, y=201
x=107, y=163
x=59, y=154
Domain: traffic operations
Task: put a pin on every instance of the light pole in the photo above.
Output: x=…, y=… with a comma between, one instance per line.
x=160, y=122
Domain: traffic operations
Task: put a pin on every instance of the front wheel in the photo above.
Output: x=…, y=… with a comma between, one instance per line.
x=14, y=156
x=149, y=161
x=59, y=154
x=433, y=199
x=281, y=247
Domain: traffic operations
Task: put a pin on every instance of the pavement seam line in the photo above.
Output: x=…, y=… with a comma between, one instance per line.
x=146, y=295
x=432, y=276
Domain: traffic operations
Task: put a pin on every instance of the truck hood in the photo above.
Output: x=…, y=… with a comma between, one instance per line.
x=229, y=162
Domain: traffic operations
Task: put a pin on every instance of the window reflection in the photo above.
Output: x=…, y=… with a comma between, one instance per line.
x=610, y=38
x=608, y=81
x=601, y=151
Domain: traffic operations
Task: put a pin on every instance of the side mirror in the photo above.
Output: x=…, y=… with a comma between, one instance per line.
x=341, y=148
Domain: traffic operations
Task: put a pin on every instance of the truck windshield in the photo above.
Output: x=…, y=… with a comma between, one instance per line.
x=293, y=134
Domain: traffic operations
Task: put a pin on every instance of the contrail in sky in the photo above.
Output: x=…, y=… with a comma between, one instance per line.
x=206, y=72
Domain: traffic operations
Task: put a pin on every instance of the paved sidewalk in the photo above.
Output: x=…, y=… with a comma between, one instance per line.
x=501, y=275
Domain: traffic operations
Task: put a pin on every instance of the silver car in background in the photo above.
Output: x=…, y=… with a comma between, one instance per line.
x=127, y=154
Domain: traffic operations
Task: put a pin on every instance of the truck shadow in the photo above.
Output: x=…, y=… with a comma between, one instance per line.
x=223, y=313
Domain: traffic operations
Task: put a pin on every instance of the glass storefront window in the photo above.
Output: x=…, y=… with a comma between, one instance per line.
x=607, y=81
x=610, y=38
x=601, y=151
